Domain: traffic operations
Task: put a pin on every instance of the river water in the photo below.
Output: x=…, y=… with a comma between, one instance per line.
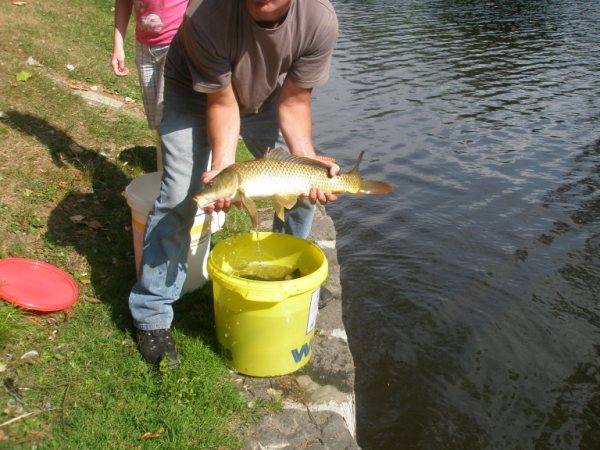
x=472, y=292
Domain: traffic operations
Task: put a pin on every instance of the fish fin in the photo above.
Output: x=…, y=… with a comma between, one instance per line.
x=355, y=170
x=250, y=208
x=280, y=203
x=279, y=210
x=280, y=154
x=374, y=187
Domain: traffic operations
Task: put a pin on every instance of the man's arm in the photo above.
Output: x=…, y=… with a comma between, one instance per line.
x=223, y=125
x=295, y=122
x=295, y=119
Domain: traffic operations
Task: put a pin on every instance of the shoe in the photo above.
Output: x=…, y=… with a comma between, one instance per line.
x=156, y=347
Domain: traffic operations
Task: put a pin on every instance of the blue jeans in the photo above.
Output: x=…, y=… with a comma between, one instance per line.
x=186, y=151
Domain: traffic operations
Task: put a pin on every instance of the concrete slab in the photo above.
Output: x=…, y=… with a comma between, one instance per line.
x=95, y=99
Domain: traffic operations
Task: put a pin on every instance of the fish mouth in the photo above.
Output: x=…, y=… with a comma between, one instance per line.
x=202, y=201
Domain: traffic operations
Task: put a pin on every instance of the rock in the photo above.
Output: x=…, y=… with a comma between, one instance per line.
x=31, y=354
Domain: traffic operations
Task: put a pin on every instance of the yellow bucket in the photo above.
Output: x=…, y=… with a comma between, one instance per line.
x=266, y=327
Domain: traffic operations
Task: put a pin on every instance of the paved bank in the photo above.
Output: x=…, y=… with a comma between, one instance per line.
x=318, y=402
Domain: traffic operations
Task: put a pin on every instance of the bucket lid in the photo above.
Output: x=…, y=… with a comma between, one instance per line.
x=36, y=285
x=142, y=191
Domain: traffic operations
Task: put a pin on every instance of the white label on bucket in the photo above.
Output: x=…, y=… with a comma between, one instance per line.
x=314, y=309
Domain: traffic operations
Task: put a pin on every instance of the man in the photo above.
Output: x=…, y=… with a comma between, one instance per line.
x=235, y=67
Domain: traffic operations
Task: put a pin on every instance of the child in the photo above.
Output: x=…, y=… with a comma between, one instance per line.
x=157, y=22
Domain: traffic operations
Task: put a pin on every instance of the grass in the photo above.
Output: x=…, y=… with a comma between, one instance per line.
x=63, y=168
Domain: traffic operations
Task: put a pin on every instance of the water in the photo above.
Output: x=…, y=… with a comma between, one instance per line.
x=472, y=292
x=264, y=271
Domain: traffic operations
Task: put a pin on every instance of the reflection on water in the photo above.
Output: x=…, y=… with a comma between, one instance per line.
x=472, y=292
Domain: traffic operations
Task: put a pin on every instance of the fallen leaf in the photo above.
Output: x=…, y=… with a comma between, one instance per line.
x=94, y=224
x=36, y=320
x=75, y=148
x=85, y=282
x=77, y=219
x=68, y=313
x=12, y=388
x=23, y=75
x=154, y=435
x=74, y=84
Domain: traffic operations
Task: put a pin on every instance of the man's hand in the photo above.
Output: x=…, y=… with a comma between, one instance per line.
x=222, y=204
x=223, y=126
x=322, y=196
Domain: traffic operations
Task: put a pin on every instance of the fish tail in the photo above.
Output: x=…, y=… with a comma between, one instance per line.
x=369, y=186
x=374, y=187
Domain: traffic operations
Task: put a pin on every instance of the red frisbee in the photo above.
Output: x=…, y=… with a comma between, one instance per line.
x=36, y=285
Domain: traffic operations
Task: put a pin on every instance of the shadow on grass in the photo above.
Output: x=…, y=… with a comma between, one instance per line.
x=142, y=157
x=194, y=315
x=103, y=235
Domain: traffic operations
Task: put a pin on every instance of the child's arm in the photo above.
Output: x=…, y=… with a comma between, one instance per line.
x=123, y=10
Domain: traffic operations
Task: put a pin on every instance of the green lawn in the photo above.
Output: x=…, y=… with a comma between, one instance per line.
x=63, y=168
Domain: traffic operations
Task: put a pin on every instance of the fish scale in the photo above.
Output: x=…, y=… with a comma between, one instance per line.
x=282, y=177
x=290, y=178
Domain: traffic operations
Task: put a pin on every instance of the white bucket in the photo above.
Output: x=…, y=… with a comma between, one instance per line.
x=141, y=194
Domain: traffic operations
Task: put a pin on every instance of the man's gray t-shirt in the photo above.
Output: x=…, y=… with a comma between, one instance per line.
x=219, y=43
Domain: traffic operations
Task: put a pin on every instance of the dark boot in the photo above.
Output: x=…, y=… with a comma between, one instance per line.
x=157, y=346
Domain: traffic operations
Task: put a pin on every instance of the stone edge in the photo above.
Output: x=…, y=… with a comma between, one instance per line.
x=318, y=401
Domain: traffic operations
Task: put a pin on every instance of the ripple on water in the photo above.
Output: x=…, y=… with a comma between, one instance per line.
x=470, y=292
